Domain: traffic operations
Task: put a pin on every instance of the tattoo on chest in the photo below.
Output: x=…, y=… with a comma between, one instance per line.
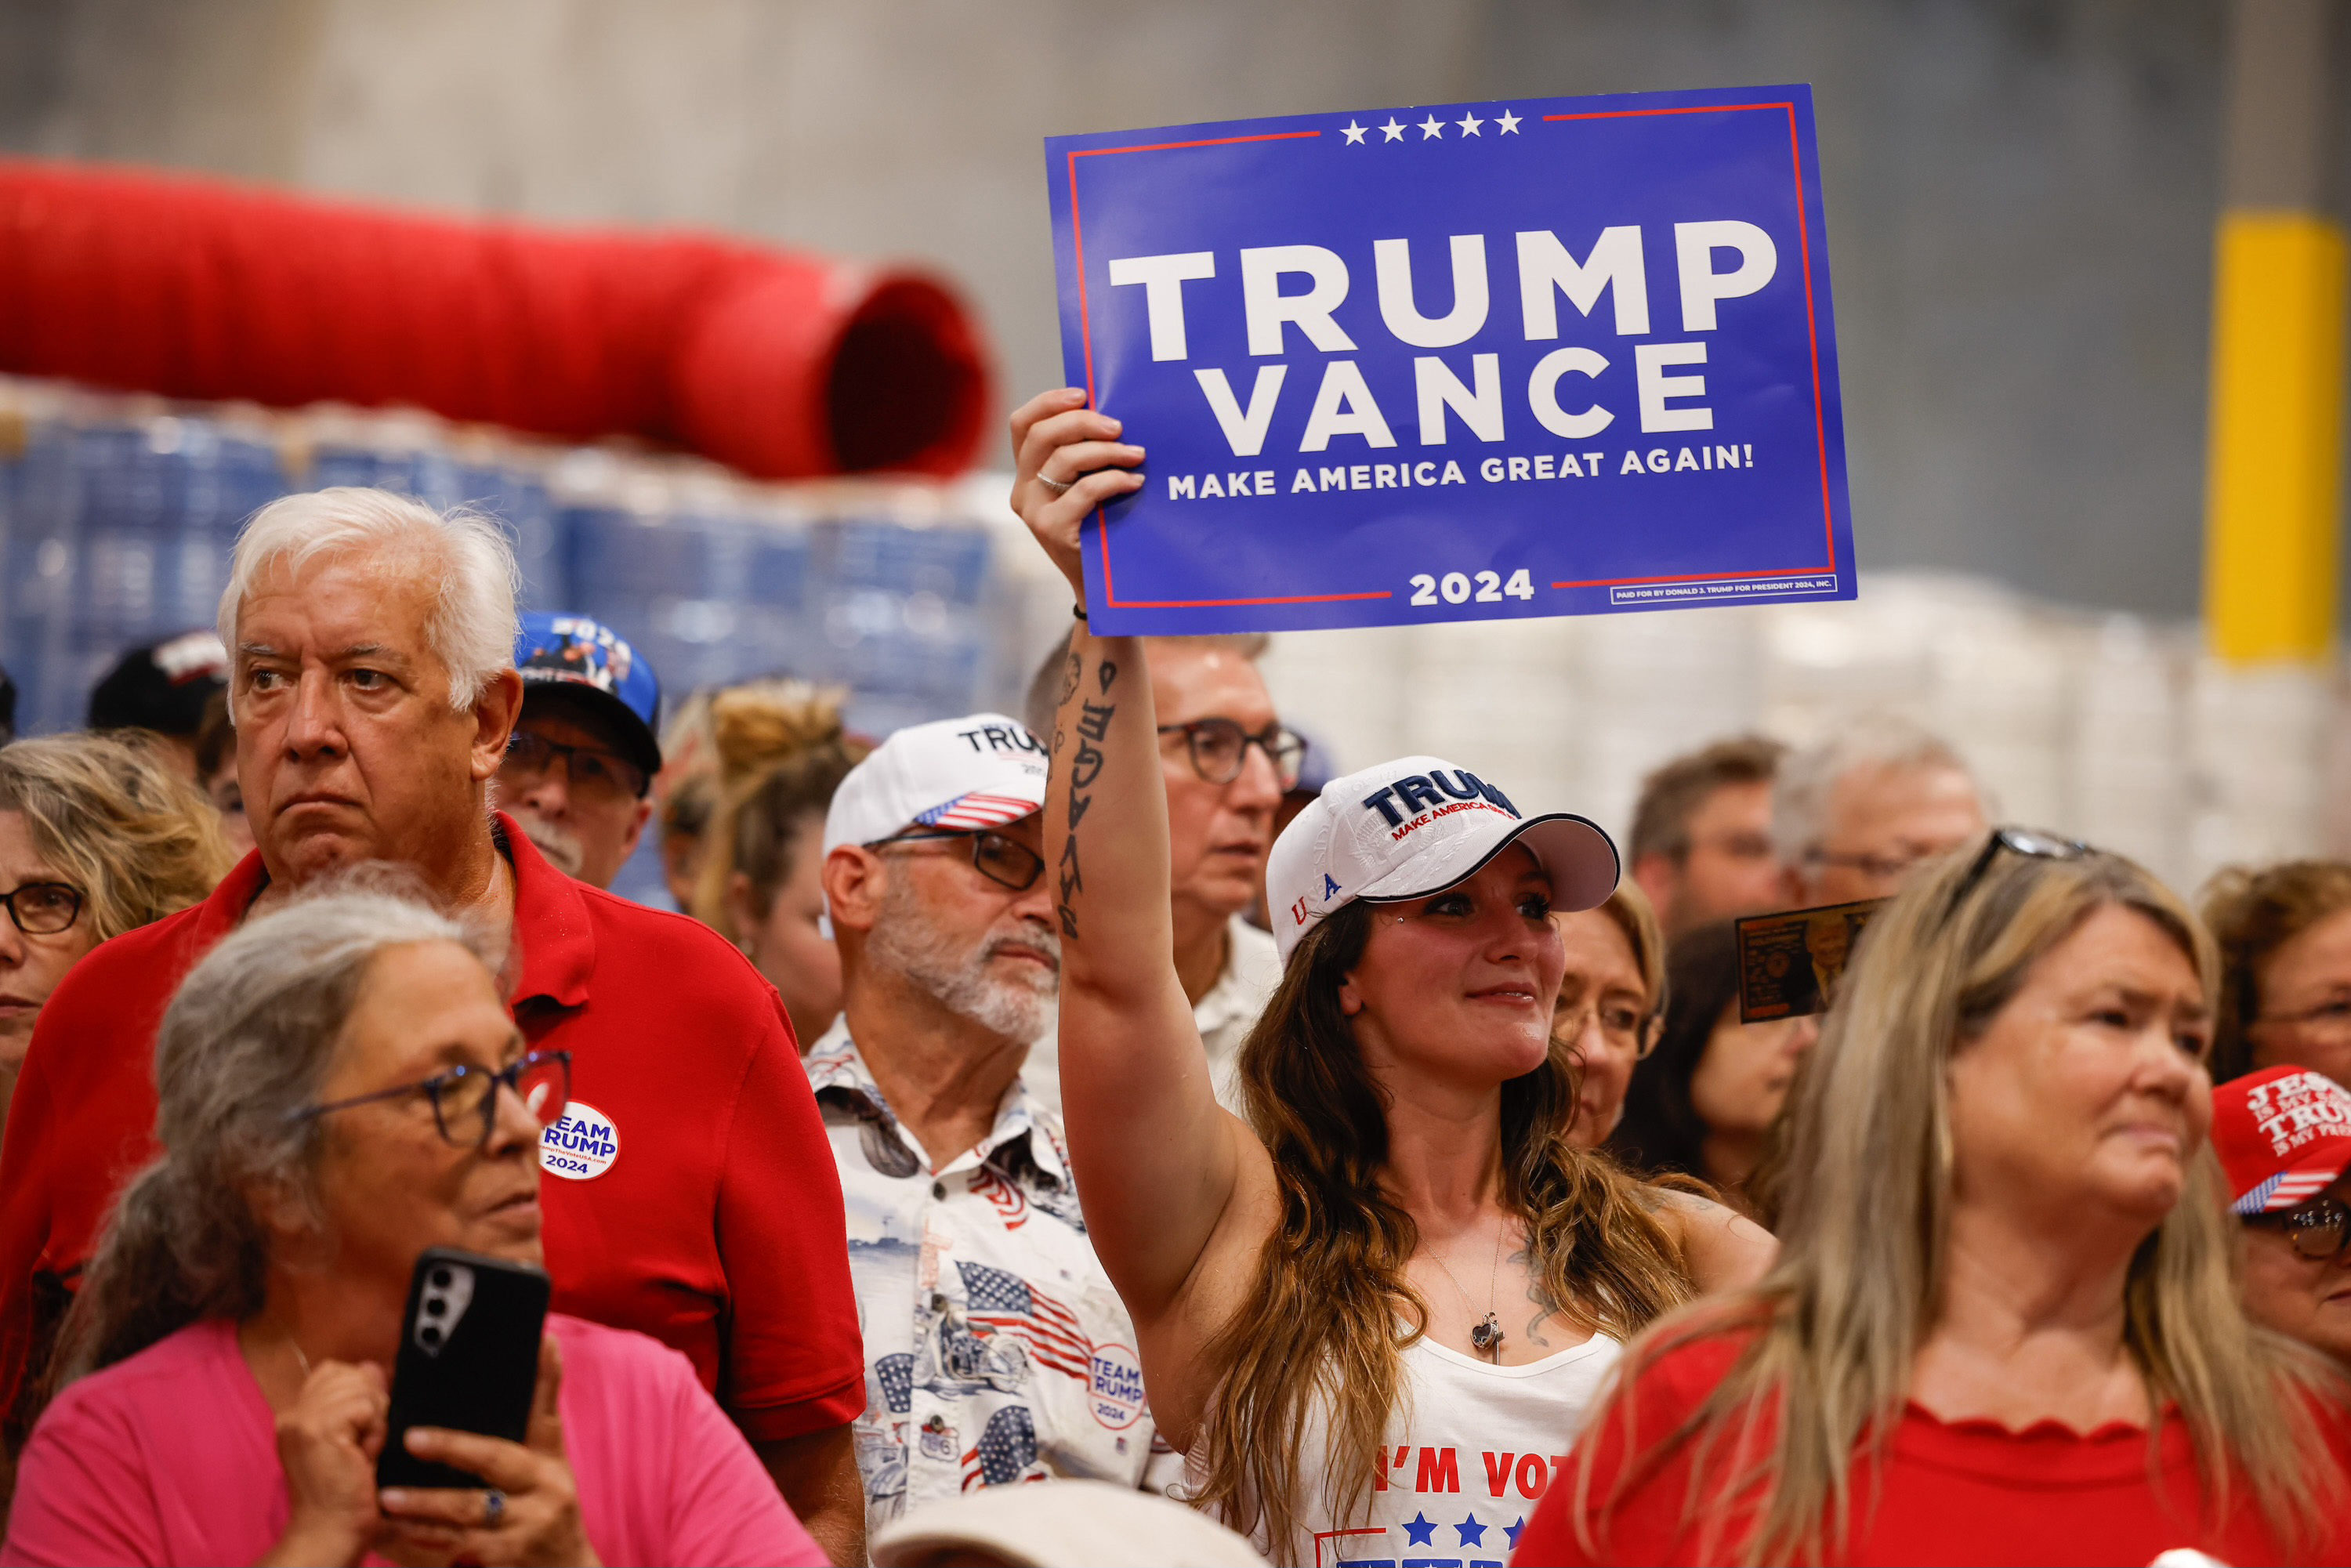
x=1537, y=1294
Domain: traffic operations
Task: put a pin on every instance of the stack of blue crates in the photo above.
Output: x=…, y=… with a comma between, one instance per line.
x=116, y=522
x=113, y=533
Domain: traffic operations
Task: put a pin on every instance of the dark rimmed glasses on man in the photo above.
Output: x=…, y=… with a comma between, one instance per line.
x=465, y=1099
x=588, y=771
x=998, y=858
x=44, y=908
x=2317, y=1229
x=1220, y=749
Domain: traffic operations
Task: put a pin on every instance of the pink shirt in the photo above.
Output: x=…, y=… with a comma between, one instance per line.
x=172, y=1456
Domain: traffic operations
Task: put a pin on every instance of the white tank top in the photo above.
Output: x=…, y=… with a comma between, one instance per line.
x=1470, y=1448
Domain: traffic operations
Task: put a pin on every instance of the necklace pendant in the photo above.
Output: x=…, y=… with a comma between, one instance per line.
x=1486, y=1337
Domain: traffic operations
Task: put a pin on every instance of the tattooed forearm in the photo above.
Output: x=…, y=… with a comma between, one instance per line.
x=1085, y=767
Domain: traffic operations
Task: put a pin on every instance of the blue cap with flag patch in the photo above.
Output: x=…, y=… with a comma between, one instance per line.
x=575, y=655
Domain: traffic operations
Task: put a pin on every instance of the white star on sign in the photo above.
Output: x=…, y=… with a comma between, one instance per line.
x=1354, y=133
x=1470, y=124
x=1392, y=131
x=1509, y=122
x=1431, y=128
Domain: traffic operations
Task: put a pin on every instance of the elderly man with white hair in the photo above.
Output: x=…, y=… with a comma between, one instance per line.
x=1854, y=813
x=374, y=693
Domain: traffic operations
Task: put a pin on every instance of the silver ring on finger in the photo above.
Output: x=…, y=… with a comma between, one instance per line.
x=1058, y=486
x=494, y=1508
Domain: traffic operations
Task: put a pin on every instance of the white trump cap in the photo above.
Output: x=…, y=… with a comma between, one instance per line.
x=954, y=775
x=1413, y=827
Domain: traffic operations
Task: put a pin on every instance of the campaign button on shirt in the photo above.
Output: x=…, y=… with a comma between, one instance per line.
x=1116, y=1385
x=581, y=1146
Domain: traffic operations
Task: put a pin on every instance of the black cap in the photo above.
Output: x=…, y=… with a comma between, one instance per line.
x=162, y=687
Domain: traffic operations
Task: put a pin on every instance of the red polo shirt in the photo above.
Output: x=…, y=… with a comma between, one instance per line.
x=702, y=1206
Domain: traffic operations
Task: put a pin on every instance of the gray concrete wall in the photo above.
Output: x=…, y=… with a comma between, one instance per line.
x=2019, y=194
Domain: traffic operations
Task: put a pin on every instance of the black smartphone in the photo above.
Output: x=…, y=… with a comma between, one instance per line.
x=468, y=1359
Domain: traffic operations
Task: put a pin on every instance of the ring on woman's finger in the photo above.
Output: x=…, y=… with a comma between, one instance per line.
x=1058, y=486
x=494, y=1507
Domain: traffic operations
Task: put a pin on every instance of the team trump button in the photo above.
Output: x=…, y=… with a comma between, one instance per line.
x=581, y=1146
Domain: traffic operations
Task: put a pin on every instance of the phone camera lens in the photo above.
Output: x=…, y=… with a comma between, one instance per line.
x=440, y=1278
x=430, y=1334
x=435, y=1306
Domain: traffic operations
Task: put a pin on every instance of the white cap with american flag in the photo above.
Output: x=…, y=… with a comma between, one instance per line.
x=954, y=775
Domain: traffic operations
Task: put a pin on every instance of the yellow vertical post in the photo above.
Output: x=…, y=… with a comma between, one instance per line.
x=2273, y=482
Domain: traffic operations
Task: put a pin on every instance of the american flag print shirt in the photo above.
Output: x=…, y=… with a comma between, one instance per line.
x=996, y=1349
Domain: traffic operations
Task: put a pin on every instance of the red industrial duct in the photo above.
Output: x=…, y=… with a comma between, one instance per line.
x=785, y=366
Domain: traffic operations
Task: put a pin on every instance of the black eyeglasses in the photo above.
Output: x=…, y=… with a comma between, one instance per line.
x=465, y=1099
x=2318, y=1230
x=998, y=858
x=44, y=908
x=1219, y=747
x=589, y=771
x=2016, y=841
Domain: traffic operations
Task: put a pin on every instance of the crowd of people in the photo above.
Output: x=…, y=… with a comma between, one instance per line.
x=1276, y=1162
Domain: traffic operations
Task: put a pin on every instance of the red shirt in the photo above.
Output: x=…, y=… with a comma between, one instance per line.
x=715, y=1225
x=1961, y=1492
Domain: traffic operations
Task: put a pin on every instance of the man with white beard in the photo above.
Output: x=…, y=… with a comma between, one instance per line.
x=997, y=1351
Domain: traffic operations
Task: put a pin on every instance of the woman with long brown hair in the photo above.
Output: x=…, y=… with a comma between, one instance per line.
x=1373, y=1315
x=2004, y=1325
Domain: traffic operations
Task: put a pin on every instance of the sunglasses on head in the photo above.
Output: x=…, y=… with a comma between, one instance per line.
x=2025, y=842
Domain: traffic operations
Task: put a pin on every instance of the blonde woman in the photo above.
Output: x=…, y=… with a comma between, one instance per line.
x=2004, y=1325
x=98, y=834
x=1612, y=1000
x=782, y=753
x=1371, y=1323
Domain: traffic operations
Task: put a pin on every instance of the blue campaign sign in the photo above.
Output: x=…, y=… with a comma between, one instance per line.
x=1553, y=357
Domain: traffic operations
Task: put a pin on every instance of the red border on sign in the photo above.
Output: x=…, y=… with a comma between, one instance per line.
x=1812, y=326
x=1086, y=336
x=1812, y=333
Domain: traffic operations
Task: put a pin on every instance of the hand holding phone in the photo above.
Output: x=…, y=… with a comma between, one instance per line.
x=536, y=1515
x=469, y=1354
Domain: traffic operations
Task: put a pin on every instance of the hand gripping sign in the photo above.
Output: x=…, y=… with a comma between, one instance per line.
x=1553, y=357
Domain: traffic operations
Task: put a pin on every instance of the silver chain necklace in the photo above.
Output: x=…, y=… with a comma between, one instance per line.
x=1485, y=1335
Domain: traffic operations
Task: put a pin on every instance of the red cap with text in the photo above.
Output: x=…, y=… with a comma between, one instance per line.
x=2284, y=1135
x=1416, y=826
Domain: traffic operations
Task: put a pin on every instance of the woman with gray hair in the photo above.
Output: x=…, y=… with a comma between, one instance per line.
x=340, y=1088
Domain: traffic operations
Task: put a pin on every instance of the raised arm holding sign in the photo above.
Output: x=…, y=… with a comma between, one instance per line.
x=1556, y=356
x=1407, y=1256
